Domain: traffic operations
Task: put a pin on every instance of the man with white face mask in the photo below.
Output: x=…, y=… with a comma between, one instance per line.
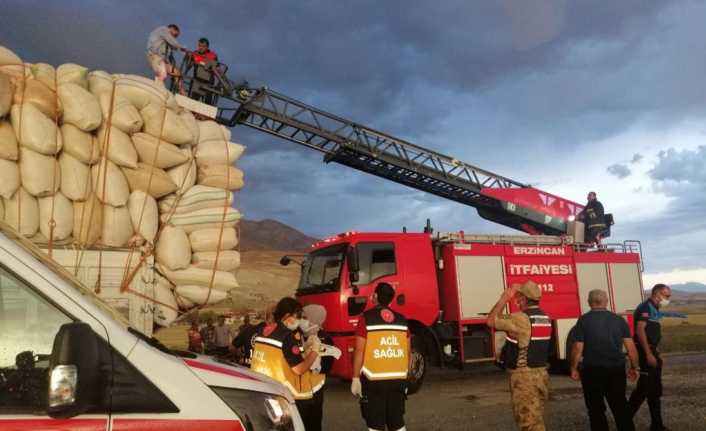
x=648, y=334
x=281, y=356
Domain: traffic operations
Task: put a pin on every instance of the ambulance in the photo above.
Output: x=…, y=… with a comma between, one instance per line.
x=68, y=361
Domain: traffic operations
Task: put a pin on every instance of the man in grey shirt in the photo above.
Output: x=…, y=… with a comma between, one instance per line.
x=158, y=44
x=600, y=336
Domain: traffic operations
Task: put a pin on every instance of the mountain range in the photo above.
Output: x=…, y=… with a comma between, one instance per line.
x=270, y=234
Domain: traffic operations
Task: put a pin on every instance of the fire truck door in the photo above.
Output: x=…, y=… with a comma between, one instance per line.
x=592, y=276
x=627, y=286
x=480, y=282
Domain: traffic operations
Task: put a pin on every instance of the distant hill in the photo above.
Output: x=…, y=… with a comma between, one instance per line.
x=692, y=287
x=686, y=291
x=272, y=235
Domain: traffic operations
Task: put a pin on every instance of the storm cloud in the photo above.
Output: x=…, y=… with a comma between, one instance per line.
x=537, y=91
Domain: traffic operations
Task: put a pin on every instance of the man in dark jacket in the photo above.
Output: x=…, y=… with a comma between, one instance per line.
x=594, y=219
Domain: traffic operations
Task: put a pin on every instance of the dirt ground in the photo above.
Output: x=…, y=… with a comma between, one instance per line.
x=479, y=399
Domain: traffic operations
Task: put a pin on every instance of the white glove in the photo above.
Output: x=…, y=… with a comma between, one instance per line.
x=328, y=350
x=313, y=343
x=316, y=366
x=356, y=388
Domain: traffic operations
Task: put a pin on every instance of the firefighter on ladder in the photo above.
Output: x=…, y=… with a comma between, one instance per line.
x=380, y=363
x=525, y=352
x=594, y=218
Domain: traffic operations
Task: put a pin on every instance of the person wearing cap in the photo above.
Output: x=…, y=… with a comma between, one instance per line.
x=525, y=353
x=600, y=336
x=381, y=362
x=648, y=335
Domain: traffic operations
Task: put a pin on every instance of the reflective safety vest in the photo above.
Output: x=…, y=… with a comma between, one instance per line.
x=387, y=346
x=536, y=353
x=268, y=359
x=318, y=380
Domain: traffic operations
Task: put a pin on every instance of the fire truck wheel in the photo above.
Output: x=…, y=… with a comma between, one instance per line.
x=418, y=365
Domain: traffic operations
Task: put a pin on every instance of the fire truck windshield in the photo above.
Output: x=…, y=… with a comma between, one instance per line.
x=322, y=270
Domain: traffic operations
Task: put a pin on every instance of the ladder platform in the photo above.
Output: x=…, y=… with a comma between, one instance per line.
x=197, y=107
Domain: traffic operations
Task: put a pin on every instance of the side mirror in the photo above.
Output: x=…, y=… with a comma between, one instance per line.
x=353, y=268
x=74, y=379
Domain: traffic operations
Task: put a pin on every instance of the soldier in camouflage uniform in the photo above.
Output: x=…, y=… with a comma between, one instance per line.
x=525, y=353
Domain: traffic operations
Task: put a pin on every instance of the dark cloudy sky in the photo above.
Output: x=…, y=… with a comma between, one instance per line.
x=565, y=95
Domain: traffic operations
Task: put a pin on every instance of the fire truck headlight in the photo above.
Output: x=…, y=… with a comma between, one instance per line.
x=258, y=411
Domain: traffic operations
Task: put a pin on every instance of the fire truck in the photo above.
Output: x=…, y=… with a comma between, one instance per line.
x=445, y=283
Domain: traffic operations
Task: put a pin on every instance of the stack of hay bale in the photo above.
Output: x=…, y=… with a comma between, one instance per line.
x=111, y=160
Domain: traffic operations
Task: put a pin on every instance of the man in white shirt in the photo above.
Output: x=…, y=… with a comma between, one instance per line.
x=159, y=42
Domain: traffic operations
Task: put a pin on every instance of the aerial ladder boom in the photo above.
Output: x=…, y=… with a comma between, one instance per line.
x=496, y=198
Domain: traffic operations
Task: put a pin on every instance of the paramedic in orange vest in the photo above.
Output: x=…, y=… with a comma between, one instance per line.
x=380, y=363
x=281, y=356
x=525, y=353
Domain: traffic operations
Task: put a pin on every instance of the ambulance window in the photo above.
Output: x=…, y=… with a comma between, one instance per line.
x=375, y=260
x=28, y=325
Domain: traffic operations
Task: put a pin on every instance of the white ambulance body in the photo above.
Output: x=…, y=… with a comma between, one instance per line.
x=69, y=361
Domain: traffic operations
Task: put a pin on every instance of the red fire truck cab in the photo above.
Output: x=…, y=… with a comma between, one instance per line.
x=447, y=283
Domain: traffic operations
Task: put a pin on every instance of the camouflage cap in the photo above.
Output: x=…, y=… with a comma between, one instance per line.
x=529, y=289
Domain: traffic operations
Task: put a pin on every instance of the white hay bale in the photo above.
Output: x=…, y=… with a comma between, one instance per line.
x=75, y=177
x=228, y=260
x=144, y=215
x=32, y=92
x=152, y=180
x=220, y=176
x=200, y=295
x=22, y=212
x=81, y=145
x=63, y=216
x=212, y=131
x=7, y=90
x=100, y=82
x=123, y=115
x=207, y=239
x=81, y=108
x=70, y=73
x=40, y=174
x=9, y=178
x=109, y=184
x=157, y=152
x=10, y=63
x=197, y=198
x=222, y=280
x=117, y=226
x=165, y=124
x=120, y=149
x=34, y=130
x=44, y=73
x=88, y=221
x=8, y=142
x=218, y=153
x=184, y=176
x=173, y=249
x=140, y=91
x=203, y=219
